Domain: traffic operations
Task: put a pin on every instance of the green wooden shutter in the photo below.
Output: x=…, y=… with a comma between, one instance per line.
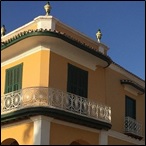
x=77, y=81
x=13, y=78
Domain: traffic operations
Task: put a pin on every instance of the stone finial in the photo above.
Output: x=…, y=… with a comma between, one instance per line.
x=47, y=8
x=3, y=30
x=99, y=35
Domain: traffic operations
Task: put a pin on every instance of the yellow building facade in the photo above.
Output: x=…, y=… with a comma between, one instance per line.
x=60, y=87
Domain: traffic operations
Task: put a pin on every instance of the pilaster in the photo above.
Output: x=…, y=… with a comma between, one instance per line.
x=41, y=132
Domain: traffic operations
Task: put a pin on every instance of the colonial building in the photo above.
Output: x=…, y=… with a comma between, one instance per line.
x=60, y=87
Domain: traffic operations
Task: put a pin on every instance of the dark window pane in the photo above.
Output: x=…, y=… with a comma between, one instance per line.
x=130, y=107
x=77, y=81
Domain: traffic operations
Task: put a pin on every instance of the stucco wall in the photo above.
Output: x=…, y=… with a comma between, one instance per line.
x=22, y=133
x=115, y=141
x=103, y=86
x=58, y=77
x=65, y=135
x=115, y=97
x=35, y=70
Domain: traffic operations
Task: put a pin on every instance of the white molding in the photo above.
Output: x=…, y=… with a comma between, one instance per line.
x=73, y=125
x=75, y=56
x=130, y=89
x=126, y=74
x=57, y=46
x=14, y=32
x=46, y=22
x=110, y=133
x=103, y=137
x=124, y=137
x=42, y=126
x=41, y=117
x=16, y=123
x=101, y=49
x=64, y=49
x=25, y=54
x=73, y=53
x=82, y=35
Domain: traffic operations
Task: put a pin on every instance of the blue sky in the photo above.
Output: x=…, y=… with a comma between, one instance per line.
x=122, y=24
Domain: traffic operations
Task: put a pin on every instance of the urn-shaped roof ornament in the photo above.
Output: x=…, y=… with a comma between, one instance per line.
x=47, y=8
x=99, y=35
x=3, y=30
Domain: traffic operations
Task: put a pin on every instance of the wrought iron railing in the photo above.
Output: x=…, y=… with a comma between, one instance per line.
x=53, y=98
x=132, y=127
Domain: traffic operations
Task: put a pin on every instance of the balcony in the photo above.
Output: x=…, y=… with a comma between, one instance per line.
x=133, y=128
x=55, y=100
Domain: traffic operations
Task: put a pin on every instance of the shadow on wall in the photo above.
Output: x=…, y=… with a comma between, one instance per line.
x=27, y=133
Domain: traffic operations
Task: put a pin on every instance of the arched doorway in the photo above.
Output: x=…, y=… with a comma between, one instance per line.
x=9, y=141
x=75, y=143
x=79, y=142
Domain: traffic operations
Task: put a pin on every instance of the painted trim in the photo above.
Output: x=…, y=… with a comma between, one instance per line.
x=15, y=123
x=127, y=74
x=103, y=138
x=130, y=90
x=17, y=30
x=82, y=35
x=24, y=35
x=124, y=137
x=46, y=22
x=69, y=124
x=23, y=55
x=56, y=113
x=73, y=125
x=42, y=127
x=135, y=85
x=110, y=132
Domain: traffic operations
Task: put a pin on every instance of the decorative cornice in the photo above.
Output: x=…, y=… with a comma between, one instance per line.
x=58, y=114
x=126, y=70
x=133, y=84
x=124, y=137
x=54, y=33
